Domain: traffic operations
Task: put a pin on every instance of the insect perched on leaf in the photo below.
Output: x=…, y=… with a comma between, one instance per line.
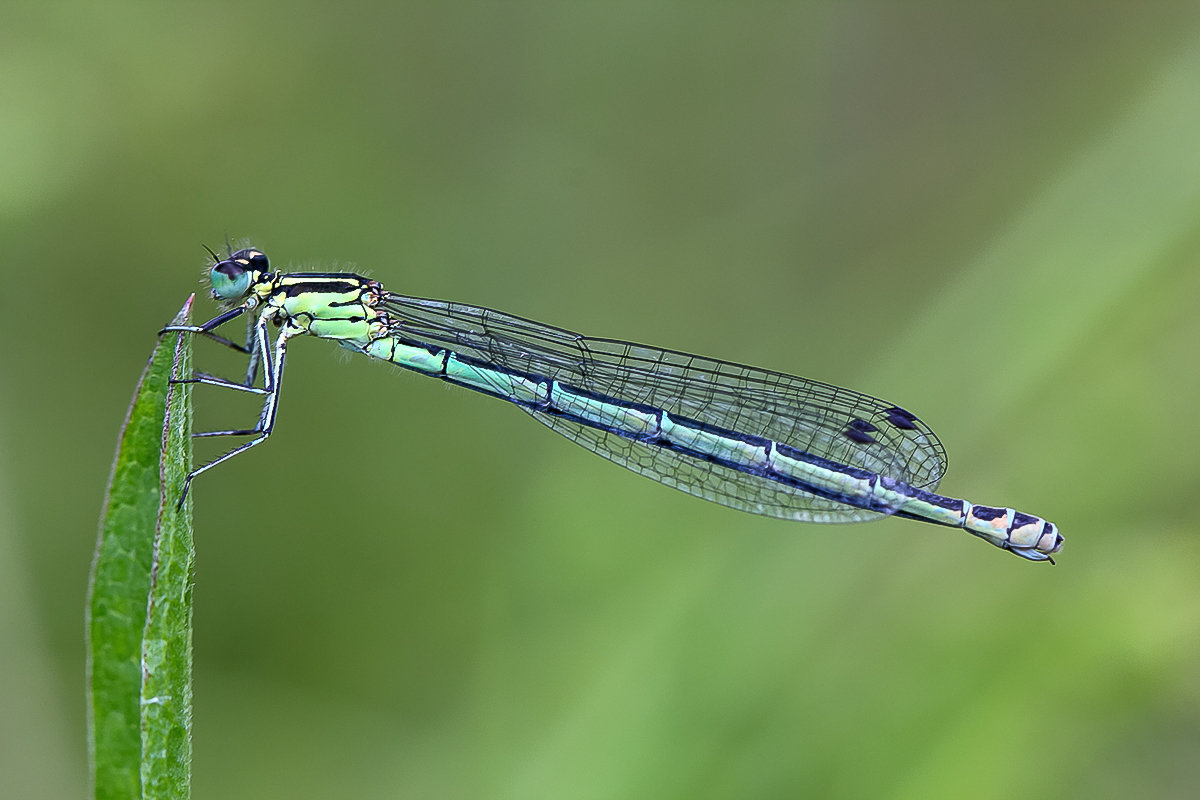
x=747, y=438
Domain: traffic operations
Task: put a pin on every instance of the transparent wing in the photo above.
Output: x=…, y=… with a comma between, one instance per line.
x=836, y=424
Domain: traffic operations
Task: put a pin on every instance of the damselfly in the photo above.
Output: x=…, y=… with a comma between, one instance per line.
x=747, y=438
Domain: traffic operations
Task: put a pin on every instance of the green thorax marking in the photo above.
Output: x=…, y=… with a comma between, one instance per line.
x=338, y=306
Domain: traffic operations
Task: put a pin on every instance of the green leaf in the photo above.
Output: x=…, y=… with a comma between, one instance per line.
x=139, y=614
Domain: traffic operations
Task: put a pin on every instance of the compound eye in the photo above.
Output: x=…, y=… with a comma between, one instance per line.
x=230, y=278
x=252, y=259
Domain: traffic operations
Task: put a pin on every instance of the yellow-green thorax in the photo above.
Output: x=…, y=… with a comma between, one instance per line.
x=339, y=306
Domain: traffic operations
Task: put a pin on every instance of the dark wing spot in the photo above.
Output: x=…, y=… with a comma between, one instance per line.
x=855, y=435
x=901, y=418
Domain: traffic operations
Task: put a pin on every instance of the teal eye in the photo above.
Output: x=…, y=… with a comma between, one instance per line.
x=230, y=280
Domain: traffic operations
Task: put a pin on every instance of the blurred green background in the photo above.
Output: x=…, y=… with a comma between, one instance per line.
x=990, y=215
